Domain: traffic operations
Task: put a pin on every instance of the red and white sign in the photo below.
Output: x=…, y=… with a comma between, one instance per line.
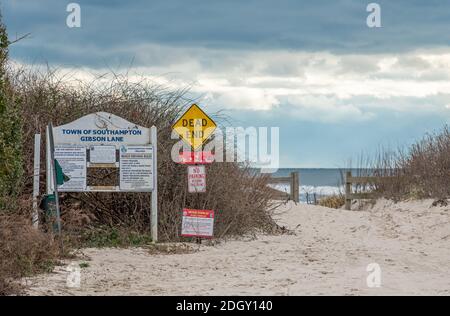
x=196, y=179
x=196, y=157
x=197, y=223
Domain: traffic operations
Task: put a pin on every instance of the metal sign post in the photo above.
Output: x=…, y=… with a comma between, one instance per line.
x=154, y=207
x=53, y=168
x=195, y=127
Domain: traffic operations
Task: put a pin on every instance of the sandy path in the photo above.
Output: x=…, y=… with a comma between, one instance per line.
x=327, y=254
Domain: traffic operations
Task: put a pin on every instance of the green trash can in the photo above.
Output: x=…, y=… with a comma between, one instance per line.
x=48, y=205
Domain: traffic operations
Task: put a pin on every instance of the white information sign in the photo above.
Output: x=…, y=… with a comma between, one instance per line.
x=136, y=168
x=196, y=179
x=102, y=154
x=103, y=134
x=197, y=223
x=73, y=163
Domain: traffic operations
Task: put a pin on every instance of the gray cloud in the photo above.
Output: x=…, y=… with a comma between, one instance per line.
x=335, y=26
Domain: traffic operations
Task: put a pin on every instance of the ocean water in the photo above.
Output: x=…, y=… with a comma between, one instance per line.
x=319, y=181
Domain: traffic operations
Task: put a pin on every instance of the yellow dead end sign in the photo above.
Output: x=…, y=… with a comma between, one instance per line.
x=195, y=126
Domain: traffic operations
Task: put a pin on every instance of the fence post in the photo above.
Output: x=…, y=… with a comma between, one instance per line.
x=348, y=191
x=294, y=187
x=291, y=187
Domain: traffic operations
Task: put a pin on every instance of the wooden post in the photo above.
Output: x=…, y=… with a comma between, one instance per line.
x=48, y=167
x=291, y=187
x=348, y=191
x=294, y=187
x=154, y=206
x=36, y=173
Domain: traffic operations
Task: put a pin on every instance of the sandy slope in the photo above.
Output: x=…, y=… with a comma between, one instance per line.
x=327, y=254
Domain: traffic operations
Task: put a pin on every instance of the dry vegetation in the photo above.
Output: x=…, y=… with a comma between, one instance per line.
x=334, y=201
x=425, y=168
x=24, y=251
x=418, y=172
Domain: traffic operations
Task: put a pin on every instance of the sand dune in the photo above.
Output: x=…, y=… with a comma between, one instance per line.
x=327, y=253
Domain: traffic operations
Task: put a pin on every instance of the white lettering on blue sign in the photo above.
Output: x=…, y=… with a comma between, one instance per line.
x=101, y=129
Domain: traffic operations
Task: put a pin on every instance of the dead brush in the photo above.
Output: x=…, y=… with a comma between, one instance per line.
x=24, y=251
x=420, y=171
x=426, y=168
x=334, y=201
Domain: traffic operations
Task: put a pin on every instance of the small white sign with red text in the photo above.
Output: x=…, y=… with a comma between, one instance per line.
x=197, y=223
x=196, y=157
x=196, y=179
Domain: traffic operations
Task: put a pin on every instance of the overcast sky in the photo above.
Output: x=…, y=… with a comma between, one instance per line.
x=334, y=86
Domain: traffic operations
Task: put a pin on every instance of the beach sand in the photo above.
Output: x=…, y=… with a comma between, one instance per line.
x=326, y=254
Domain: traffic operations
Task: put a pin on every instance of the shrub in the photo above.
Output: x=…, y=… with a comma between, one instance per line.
x=420, y=171
x=426, y=167
x=10, y=130
x=334, y=201
x=24, y=251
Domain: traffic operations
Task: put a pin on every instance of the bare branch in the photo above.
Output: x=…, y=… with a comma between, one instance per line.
x=19, y=38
